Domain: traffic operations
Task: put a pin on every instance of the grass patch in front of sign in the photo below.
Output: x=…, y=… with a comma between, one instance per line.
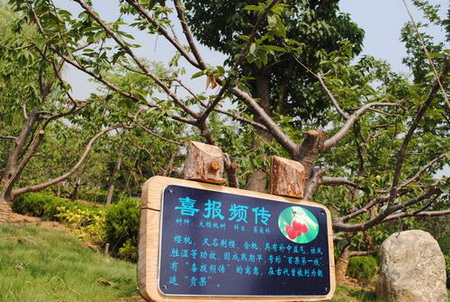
x=39, y=264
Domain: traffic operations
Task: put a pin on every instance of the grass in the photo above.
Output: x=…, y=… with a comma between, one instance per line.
x=346, y=294
x=39, y=264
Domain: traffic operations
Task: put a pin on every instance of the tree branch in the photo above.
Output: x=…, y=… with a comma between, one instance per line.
x=188, y=34
x=166, y=35
x=349, y=123
x=252, y=36
x=71, y=171
x=235, y=116
x=271, y=126
x=418, y=214
x=338, y=181
x=313, y=183
x=339, y=225
x=139, y=63
x=330, y=95
x=159, y=136
x=415, y=123
x=421, y=171
x=427, y=54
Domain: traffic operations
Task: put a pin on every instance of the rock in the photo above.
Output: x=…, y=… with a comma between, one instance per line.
x=412, y=269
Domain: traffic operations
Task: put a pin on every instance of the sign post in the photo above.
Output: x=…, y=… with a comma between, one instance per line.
x=201, y=242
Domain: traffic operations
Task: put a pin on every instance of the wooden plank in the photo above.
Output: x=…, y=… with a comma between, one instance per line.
x=148, y=249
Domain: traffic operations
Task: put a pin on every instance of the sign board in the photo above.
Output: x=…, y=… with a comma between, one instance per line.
x=201, y=242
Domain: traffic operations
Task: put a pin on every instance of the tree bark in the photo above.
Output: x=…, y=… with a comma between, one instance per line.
x=38, y=187
x=11, y=165
x=74, y=193
x=343, y=261
x=310, y=148
x=115, y=174
x=258, y=181
x=13, y=168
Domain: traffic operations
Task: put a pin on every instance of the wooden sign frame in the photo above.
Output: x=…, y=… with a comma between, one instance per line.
x=149, y=236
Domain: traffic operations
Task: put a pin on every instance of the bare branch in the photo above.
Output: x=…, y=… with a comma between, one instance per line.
x=338, y=181
x=114, y=88
x=24, y=111
x=8, y=137
x=362, y=253
x=418, y=214
x=214, y=103
x=339, y=225
x=159, y=136
x=421, y=171
x=324, y=86
x=233, y=115
x=349, y=123
x=313, y=183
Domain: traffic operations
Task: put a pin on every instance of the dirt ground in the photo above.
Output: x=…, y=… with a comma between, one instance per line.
x=8, y=216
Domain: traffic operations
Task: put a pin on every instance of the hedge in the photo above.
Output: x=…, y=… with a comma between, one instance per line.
x=121, y=220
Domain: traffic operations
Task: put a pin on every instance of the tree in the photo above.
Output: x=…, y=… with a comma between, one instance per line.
x=303, y=29
x=383, y=141
x=44, y=101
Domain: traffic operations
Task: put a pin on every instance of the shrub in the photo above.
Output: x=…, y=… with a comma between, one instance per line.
x=45, y=205
x=122, y=225
x=86, y=224
x=42, y=205
x=362, y=267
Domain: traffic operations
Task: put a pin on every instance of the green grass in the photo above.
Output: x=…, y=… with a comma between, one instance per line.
x=346, y=294
x=39, y=264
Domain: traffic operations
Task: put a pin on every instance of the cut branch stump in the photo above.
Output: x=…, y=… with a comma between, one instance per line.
x=287, y=178
x=204, y=163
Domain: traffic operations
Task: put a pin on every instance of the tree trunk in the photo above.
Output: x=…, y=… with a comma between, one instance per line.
x=74, y=193
x=343, y=261
x=115, y=174
x=12, y=171
x=342, y=266
x=258, y=181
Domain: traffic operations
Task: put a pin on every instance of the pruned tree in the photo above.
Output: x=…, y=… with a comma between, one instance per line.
x=373, y=164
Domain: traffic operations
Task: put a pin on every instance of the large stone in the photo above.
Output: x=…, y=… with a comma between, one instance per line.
x=412, y=269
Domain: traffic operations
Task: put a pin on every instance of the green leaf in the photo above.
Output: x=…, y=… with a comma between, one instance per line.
x=437, y=55
x=198, y=74
x=253, y=49
x=253, y=7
